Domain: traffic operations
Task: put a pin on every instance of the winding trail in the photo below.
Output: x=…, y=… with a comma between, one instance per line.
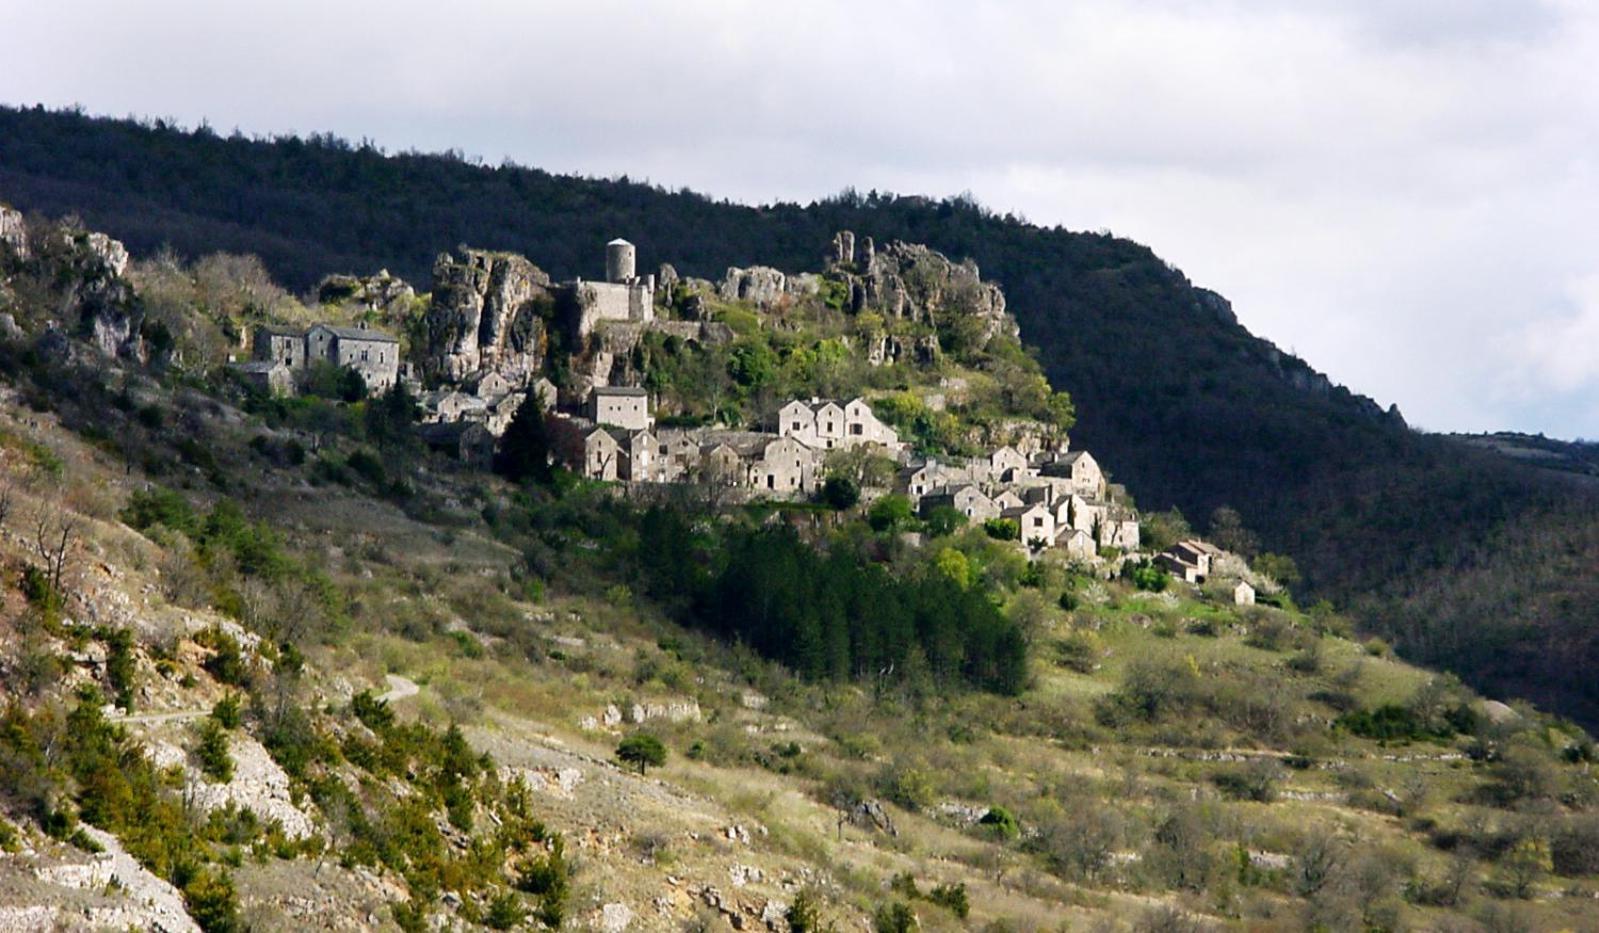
x=150, y=718
x=399, y=688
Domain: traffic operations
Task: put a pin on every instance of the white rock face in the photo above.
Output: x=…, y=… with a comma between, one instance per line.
x=675, y=711
x=154, y=904
x=258, y=785
x=13, y=232
x=615, y=918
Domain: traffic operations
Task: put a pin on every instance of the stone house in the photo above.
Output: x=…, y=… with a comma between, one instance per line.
x=965, y=498
x=492, y=386
x=501, y=410
x=861, y=426
x=622, y=406
x=544, y=390
x=827, y=425
x=602, y=456
x=1076, y=543
x=270, y=376
x=641, y=465
x=1007, y=499
x=784, y=467
x=467, y=441
x=1082, y=469
x=372, y=353
x=1006, y=465
x=279, y=345
x=1244, y=594
x=451, y=405
x=1037, y=523
x=920, y=481
x=1189, y=560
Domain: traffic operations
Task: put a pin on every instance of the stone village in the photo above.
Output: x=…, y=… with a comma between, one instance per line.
x=487, y=367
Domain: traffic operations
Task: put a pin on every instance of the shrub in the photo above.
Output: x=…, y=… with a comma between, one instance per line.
x=505, y=912
x=1080, y=652
x=229, y=711
x=226, y=662
x=642, y=749
x=212, y=902
x=1377, y=648
x=804, y=914
x=1002, y=822
x=953, y=898
x=1003, y=529
x=212, y=751
x=944, y=520
x=891, y=512
x=1387, y=723
x=895, y=918
x=840, y=493
x=1253, y=780
x=1148, y=577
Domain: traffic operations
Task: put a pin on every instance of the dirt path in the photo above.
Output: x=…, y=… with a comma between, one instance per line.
x=152, y=718
x=399, y=688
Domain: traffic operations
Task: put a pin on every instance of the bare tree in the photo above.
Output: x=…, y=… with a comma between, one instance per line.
x=55, y=538
x=8, y=486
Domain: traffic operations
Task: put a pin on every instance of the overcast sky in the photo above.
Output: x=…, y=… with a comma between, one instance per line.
x=1405, y=192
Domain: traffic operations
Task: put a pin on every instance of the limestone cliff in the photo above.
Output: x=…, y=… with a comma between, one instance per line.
x=489, y=312
x=909, y=280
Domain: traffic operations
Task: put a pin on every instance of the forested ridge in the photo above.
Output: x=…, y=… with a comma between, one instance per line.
x=1466, y=558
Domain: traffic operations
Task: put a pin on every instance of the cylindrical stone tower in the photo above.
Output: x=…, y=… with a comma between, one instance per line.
x=620, y=259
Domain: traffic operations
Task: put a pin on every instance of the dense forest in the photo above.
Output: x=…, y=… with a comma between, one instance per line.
x=1464, y=557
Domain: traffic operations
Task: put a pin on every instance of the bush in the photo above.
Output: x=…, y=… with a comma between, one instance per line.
x=1080, y=652
x=215, y=761
x=840, y=493
x=804, y=914
x=212, y=902
x=890, y=513
x=1002, y=822
x=895, y=918
x=1003, y=529
x=1148, y=577
x=952, y=897
x=642, y=749
x=1387, y=723
x=229, y=711
x=1253, y=780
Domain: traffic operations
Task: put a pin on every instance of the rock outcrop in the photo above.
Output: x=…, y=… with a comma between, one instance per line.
x=908, y=280
x=764, y=286
x=13, y=231
x=384, y=293
x=490, y=312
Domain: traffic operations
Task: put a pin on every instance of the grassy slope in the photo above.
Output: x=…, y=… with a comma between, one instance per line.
x=434, y=600
x=1188, y=409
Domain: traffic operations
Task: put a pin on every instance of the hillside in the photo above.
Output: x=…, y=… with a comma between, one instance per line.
x=270, y=665
x=1460, y=555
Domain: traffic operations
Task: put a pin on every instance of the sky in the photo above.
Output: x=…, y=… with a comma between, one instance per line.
x=1404, y=192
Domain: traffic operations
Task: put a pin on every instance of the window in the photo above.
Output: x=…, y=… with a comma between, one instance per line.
x=856, y=428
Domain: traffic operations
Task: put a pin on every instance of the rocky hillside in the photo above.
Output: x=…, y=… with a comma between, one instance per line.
x=1194, y=411
x=272, y=666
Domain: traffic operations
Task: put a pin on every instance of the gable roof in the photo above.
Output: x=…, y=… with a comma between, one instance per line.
x=357, y=333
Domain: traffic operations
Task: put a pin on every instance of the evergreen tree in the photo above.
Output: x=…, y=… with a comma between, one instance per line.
x=525, y=449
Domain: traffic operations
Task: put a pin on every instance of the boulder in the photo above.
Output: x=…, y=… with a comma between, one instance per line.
x=762, y=286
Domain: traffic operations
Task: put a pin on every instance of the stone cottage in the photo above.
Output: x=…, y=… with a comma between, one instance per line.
x=621, y=406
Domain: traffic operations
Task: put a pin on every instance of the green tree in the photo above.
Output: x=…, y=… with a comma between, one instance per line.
x=890, y=512
x=642, y=749
x=391, y=419
x=526, y=449
x=840, y=492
